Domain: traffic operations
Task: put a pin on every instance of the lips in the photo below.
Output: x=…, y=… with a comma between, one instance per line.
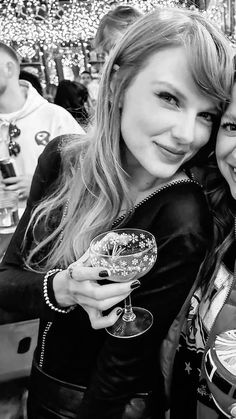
x=171, y=153
x=172, y=150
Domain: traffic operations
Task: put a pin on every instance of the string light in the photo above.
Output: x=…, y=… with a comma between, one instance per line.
x=34, y=26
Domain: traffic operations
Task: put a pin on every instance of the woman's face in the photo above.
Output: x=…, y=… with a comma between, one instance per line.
x=226, y=144
x=165, y=118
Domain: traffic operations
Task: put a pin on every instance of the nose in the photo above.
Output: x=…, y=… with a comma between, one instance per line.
x=184, y=128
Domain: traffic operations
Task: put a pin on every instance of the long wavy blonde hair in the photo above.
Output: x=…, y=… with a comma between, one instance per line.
x=93, y=185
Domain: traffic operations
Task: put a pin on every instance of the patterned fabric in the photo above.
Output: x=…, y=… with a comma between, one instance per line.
x=193, y=339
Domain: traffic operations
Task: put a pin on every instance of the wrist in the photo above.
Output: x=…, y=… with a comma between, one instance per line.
x=49, y=295
x=60, y=289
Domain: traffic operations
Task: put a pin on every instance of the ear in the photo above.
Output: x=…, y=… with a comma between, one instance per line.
x=11, y=69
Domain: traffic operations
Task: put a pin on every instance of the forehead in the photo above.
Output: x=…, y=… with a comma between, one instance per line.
x=4, y=57
x=167, y=64
x=165, y=56
x=171, y=66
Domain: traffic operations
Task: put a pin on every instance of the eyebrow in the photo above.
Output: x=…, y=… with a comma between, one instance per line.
x=178, y=93
x=172, y=87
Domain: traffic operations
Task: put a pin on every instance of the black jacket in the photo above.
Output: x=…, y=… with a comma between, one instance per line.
x=113, y=369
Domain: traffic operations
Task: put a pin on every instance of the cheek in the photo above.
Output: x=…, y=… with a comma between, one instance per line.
x=132, y=123
x=204, y=133
x=223, y=148
x=201, y=137
x=125, y=126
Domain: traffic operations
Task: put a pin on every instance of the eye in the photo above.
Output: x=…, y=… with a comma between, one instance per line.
x=209, y=117
x=229, y=126
x=168, y=97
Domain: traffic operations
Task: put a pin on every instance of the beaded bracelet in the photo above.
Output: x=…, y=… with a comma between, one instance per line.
x=45, y=293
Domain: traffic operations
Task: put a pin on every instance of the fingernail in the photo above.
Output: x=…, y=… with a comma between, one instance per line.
x=119, y=311
x=135, y=284
x=103, y=274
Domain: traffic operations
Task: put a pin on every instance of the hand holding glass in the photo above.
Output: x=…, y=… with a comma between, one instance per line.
x=127, y=253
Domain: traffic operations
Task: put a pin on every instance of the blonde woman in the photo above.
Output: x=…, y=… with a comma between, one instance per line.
x=161, y=96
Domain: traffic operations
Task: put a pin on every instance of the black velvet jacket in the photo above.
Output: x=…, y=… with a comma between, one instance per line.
x=113, y=369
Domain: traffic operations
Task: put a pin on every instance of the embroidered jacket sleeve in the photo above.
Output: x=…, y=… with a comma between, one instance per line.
x=182, y=225
x=21, y=290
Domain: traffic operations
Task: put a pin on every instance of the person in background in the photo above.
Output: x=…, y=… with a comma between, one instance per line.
x=73, y=96
x=211, y=306
x=132, y=170
x=110, y=29
x=92, y=86
x=113, y=25
x=27, y=123
x=33, y=79
x=50, y=92
x=85, y=78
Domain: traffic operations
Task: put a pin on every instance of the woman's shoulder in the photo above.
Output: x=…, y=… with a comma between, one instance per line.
x=185, y=192
x=50, y=166
x=58, y=143
x=184, y=205
x=179, y=198
x=51, y=157
x=179, y=207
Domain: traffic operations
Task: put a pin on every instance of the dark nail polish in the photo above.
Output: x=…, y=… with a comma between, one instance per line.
x=103, y=274
x=119, y=311
x=135, y=284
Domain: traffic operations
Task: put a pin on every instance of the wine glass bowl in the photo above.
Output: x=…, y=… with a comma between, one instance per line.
x=128, y=254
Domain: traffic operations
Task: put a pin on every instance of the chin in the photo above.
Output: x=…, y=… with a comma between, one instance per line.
x=165, y=173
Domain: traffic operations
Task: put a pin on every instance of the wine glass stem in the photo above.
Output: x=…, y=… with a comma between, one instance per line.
x=128, y=315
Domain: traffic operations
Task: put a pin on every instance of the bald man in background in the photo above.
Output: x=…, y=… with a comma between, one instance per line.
x=27, y=123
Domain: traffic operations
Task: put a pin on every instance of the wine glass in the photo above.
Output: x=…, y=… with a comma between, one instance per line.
x=128, y=253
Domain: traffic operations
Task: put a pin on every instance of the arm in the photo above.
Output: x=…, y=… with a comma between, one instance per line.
x=21, y=290
x=183, y=230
